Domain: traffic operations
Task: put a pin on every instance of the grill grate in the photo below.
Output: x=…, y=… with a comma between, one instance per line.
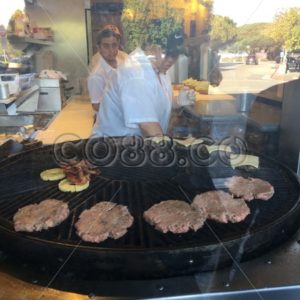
x=139, y=195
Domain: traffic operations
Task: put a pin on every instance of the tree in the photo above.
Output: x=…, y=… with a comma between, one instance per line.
x=149, y=20
x=253, y=37
x=286, y=28
x=223, y=31
x=294, y=41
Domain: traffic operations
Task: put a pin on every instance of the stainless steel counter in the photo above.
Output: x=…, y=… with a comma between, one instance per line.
x=214, y=110
x=260, y=113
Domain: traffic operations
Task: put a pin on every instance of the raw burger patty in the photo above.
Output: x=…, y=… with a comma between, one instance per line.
x=175, y=216
x=250, y=188
x=221, y=207
x=103, y=220
x=46, y=214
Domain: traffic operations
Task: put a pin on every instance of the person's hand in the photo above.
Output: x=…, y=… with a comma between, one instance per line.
x=186, y=96
x=191, y=97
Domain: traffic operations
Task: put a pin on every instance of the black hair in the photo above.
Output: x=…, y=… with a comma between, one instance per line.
x=173, y=53
x=105, y=34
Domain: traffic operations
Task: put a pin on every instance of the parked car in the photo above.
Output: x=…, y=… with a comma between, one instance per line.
x=293, y=61
x=251, y=60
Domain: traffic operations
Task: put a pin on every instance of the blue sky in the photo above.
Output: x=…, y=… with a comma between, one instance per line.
x=252, y=11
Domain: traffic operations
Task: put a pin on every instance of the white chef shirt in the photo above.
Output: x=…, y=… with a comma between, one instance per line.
x=134, y=96
x=101, y=74
x=167, y=84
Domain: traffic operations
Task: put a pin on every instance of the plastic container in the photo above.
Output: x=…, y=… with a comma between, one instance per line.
x=25, y=80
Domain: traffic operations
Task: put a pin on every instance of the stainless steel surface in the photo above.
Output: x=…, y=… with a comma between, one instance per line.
x=17, y=120
x=26, y=101
x=4, y=91
x=70, y=51
x=48, y=83
x=13, y=82
x=25, y=96
x=217, y=119
x=26, y=44
x=8, y=100
x=244, y=101
x=8, y=107
x=216, y=110
x=51, y=95
x=265, y=116
x=12, y=124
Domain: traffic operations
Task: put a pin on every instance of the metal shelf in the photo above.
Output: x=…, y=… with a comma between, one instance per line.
x=22, y=43
x=21, y=39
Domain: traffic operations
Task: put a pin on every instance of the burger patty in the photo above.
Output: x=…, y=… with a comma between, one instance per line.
x=46, y=214
x=103, y=220
x=175, y=216
x=221, y=207
x=250, y=188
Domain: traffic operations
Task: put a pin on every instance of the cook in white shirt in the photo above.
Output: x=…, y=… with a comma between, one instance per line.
x=138, y=100
x=108, y=42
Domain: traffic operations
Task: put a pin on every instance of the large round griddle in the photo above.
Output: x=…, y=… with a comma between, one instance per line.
x=144, y=252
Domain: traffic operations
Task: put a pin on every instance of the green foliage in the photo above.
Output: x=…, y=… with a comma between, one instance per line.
x=285, y=28
x=293, y=42
x=207, y=3
x=253, y=37
x=284, y=31
x=140, y=24
x=223, y=31
x=10, y=51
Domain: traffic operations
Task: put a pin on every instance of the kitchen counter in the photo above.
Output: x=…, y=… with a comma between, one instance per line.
x=265, y=117
x=74, y=122
x=203, y=97
x=217, y=110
